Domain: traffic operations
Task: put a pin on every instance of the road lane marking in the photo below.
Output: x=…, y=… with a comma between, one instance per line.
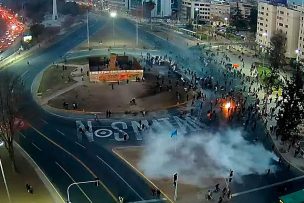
x=27, y=156
x=44, y=121
x=23, y=74
x=150, y=200
x=120, y=177
x=22, y=135
x=36, y=147
x=140, y=173
x=78, y=160
x=73, y=181
x=80, y=145
x=267, y=186
x=60, y=132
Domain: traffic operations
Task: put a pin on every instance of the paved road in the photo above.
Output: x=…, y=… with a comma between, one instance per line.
x=53, y=142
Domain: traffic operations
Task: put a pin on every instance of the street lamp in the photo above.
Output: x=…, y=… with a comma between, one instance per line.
x=3, y=175
x=197, y=12
x=96, y=181
x=298, y=55
x=226, y=20
x=113, y=15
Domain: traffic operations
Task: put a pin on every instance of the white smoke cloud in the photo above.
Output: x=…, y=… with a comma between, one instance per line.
x=202, y=156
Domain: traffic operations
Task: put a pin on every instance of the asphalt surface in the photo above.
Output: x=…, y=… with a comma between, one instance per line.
x=54, y=145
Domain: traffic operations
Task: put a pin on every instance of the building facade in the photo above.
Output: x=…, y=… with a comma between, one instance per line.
x=273, y=18
x=220, y=13
x=195, y=10
x=163, y=8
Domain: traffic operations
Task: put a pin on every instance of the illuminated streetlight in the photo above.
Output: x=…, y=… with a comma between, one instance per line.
x=298, y=54
x=113, y=15
x=197, y=13
x=226, y=20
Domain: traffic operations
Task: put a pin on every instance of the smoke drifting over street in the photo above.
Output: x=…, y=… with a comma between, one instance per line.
x=203, y=155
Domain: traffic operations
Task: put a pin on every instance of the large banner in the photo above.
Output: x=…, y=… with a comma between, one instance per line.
x=114, y=76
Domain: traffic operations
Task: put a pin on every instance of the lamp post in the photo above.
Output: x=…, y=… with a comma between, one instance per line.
x=226, y=21
x=264, y=47
x=3, y=175
x=113, y=15
x=88, y=30
x=96, y=181
x=298, y=55
x=197, y=12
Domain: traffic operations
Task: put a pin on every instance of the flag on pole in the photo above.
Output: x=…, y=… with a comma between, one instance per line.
x=173, y=133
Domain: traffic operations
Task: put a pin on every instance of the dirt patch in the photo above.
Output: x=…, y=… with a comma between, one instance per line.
x=54, y=79
x=154, y=93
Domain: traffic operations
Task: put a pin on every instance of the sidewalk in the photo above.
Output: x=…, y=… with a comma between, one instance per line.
x=29, y=173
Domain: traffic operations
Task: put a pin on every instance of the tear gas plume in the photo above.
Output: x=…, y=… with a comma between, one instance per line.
x=201, y=156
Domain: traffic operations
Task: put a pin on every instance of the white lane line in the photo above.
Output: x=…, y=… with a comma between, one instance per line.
x=150, y=200
x=120, y=177
x=22, y=135
x=73, y=181
x=23, y=74
x=267, y=186
x=44, y=121
x=36, y=147
x=60, y=132
x=80, y=145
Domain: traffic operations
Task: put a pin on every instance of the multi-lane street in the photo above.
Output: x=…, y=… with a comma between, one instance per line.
x=52, y=141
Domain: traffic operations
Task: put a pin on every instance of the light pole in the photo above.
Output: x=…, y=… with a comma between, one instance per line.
x=298, y=55
x=263, y=48
x=3, y=175
x=137, y=32
x=197, y=12
x=88, y=30
x=96, y=181
x=113, y=15
x=226, y=21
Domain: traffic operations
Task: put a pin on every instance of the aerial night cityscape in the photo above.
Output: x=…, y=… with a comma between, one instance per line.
x=151, y=101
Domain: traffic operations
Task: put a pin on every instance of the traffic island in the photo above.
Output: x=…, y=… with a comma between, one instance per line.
x=119, y=84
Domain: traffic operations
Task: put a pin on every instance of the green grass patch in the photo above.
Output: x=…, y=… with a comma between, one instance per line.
x=265, y=70
x=54, y=79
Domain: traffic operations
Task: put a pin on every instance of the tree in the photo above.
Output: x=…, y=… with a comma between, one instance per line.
x=11, y=91
x=238, y=20
x=277, y=51
x=253, y=19
x=292, y=113
x=276, y=57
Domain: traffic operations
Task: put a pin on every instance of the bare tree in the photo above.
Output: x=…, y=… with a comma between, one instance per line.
x=11, y=91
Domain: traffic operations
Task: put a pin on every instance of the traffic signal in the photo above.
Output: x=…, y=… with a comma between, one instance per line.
x=175, y=179
x=96, y=182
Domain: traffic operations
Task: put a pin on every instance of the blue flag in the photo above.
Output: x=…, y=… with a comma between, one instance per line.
x=173, y=133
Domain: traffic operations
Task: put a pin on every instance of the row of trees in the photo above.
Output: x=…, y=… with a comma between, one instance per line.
x=292, y=107
x=240, y=23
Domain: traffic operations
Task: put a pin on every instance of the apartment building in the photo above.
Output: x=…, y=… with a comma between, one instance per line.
x=215, y=11
x=273, y=18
